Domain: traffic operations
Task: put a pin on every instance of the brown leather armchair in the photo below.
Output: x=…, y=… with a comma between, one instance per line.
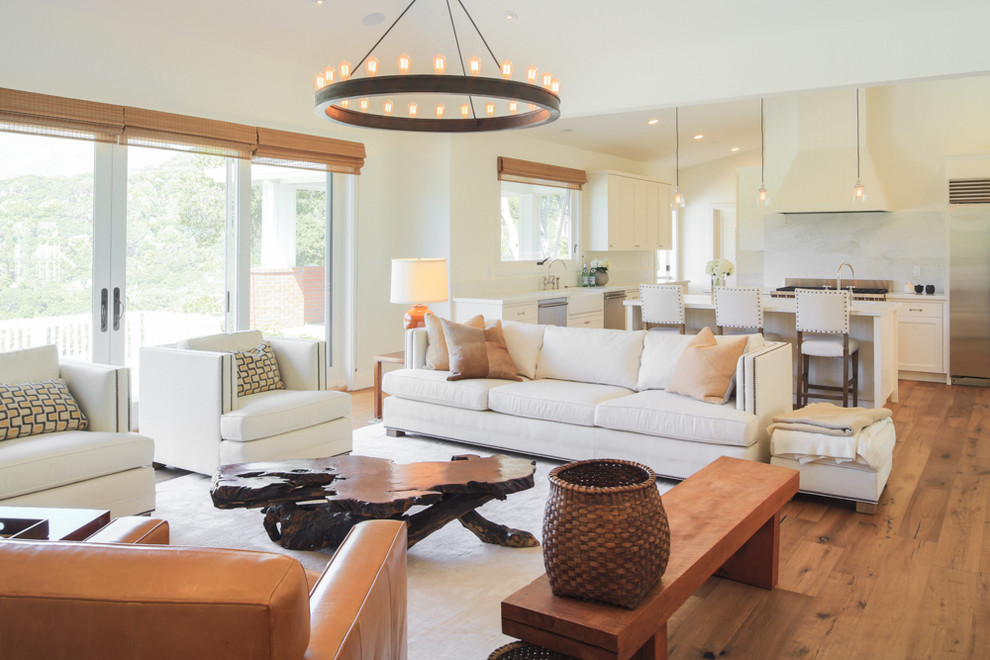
x=108, y=599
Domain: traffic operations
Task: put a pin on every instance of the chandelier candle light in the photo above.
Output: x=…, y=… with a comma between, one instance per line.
x=409, y=101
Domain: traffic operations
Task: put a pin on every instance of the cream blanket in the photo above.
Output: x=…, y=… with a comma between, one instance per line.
x=828, y=419
x=872, y=446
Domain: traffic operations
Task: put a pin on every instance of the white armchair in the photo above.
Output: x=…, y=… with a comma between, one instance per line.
x=102, y=467
x=190, y=406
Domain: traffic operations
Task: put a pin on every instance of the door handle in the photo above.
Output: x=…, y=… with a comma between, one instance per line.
x=118, y=308
x=103, y=310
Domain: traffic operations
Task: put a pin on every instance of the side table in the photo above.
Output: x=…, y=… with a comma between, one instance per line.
x=398, y=357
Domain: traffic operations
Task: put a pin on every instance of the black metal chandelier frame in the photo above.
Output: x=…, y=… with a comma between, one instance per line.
x=544, y=104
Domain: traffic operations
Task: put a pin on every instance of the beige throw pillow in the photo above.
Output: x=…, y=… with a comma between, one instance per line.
x=705, y=369
x=477, y=352
x=436, y=344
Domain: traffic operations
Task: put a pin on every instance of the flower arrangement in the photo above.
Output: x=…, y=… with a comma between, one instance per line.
x=599, y=265
x=719, y=269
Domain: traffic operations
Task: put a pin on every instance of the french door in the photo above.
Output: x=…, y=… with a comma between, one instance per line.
x=106, y=248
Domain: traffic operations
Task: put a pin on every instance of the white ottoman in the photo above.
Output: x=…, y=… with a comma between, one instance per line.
x=847, y=467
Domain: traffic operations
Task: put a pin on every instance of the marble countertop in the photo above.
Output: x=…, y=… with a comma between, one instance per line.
x=562, y=292
x=913, y=297
x=786, y=305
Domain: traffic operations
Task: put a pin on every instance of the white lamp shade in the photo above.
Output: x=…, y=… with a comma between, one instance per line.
x=417, y=281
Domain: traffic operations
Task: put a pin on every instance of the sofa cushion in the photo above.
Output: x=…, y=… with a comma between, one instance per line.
x=662, y=349
x=29, y=365
x=706, y=368
x=437, y=355
x=257, y=370
x=224, y=342
x=34, y=408
x=270, y=413
x=591, y=355
x=43, y=462
x=431, y=386
x=660, y=413
x=553, y=400
x=477, y=352
x=524, y=341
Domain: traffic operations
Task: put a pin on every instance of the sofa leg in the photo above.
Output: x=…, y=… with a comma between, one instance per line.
x=394, y=433
x=866, y=507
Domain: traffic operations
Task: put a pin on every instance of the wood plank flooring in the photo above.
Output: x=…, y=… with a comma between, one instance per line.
x=912, y=581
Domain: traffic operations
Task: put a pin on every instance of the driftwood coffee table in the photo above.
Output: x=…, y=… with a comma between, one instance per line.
x=312, y=503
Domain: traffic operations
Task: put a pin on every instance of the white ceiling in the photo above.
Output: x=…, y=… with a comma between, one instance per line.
x=619, y=63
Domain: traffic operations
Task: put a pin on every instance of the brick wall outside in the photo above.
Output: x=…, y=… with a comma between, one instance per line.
x=287, y=297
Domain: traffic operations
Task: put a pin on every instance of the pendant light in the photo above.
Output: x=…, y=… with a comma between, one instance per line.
x=677, y=201
x=859, y=192
x=762, y=198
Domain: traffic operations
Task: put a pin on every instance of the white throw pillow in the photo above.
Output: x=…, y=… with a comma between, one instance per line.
x=224, y=342
x=660, y=353
x=524, y=341
x=591, y=355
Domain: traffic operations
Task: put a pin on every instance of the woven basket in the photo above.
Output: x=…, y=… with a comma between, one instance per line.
x=605, y=532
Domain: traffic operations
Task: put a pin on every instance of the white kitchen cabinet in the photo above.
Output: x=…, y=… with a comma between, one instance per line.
x=524, y=311
x=921, y=336
x=586, y=310
x=629, y=212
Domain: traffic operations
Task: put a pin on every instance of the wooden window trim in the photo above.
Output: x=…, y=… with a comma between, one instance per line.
x=527, y=171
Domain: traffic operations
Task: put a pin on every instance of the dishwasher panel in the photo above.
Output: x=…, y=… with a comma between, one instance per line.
x=552, y=311
x=615, y=311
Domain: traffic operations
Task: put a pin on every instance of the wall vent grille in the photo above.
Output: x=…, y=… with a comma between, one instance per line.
x=969, y=191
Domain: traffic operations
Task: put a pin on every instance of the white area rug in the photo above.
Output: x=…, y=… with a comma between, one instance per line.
x=456, y=582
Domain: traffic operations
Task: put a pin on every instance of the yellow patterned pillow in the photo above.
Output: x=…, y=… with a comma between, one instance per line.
x=34, y=408
x=257, y=370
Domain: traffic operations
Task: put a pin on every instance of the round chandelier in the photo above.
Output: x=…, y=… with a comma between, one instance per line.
x=437, y=102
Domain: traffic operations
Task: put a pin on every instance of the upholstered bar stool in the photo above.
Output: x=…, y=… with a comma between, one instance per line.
x=739, y=308
x=662, y=304
x=825, y=314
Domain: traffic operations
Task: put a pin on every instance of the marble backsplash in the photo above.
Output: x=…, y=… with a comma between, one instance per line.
x=882, y=246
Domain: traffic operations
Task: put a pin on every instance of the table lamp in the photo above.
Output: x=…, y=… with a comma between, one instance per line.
x=416, y=282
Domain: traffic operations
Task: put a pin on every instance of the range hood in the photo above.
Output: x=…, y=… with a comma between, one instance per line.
x=816, y=136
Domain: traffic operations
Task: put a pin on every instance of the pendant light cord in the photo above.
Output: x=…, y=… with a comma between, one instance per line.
x=858, y=177
x=677, y=152
x=763, y=145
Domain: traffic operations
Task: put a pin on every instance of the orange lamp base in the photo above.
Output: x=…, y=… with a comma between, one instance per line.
x=414, y=316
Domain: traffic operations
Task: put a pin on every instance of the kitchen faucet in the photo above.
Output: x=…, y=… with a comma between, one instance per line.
x=838, y=274
x=549, y=281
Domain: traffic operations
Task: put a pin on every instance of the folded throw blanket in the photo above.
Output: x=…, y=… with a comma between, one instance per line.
x=871, y=447
x=829, y=419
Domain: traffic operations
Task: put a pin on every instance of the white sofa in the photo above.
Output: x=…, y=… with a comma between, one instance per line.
x=190, y=406
x=102, y=467
x=592, y=393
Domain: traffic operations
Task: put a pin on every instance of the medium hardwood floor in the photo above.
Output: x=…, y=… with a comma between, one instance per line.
x=912, y=581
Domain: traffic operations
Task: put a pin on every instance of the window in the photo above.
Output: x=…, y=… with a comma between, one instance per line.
x=537, y=222
x=538, y=210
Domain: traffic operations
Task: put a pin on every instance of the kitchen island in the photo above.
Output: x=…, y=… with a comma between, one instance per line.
x=874, y=324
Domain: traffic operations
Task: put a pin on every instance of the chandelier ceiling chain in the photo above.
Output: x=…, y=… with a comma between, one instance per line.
x=508, y=103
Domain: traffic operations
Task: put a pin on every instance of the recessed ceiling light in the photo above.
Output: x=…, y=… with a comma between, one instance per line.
x=698, y=136
x=317, y=2
x=510, y=16
x=653, y=121
x=735, y=149
x=373, y=18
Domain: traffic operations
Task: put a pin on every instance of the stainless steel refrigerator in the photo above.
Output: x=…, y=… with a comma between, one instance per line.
x=969, y=294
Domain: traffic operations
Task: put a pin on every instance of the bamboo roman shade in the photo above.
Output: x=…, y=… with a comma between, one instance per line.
x=26, y=112
x=150, y=128
x=307, y=151
x=527, y=171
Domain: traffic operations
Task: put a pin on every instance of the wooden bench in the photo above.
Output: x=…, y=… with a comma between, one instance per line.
x=724, y=520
